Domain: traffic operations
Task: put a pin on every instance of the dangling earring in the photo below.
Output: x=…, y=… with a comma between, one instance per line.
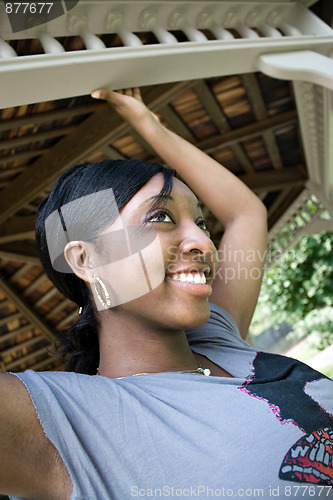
x=104, y=303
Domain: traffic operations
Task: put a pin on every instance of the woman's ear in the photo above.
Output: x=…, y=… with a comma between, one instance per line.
x=77, y=257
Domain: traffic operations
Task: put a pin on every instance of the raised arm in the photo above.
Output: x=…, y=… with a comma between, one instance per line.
x=30, y=466
x=243, y=216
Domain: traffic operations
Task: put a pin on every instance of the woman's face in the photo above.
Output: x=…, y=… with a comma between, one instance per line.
x=158, y=267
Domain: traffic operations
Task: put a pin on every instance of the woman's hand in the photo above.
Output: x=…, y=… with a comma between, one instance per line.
x=127, y=103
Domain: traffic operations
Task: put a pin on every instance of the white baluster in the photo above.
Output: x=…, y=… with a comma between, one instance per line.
x=275, y=18
x=50, y=45
x=231, y=20
x=178, y=21
x=115, y=24
x=78, y=25
x=254, y=18
x=6, y=51
x=148, y=21
x=207, y=21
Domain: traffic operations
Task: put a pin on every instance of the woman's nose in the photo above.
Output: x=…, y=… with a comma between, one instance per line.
x=196, y=241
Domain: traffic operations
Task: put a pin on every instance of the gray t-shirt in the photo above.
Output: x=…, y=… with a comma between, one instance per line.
x=267, y=432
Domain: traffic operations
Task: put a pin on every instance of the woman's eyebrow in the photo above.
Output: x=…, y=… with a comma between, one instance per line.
x=154, y=198
x=157, y=196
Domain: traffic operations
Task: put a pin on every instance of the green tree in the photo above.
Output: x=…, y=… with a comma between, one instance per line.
x=302, y=280
x=298, y=290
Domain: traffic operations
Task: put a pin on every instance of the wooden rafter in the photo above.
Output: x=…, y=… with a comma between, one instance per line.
x=48, y=116
x=22, y=305
x=18, y=228
x=99, y=129
x=260, y=111
x=19, y=252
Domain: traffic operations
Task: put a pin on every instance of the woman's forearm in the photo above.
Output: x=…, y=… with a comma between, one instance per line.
x=220, y=190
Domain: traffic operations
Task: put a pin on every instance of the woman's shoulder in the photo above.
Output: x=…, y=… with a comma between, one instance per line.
x=220, y=328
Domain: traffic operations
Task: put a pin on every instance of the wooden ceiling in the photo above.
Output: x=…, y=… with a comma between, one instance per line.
x=248, y=123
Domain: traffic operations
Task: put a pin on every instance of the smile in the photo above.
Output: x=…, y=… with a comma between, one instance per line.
x=198, y=278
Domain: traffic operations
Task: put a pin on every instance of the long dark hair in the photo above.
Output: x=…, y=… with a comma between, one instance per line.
x=79, y=345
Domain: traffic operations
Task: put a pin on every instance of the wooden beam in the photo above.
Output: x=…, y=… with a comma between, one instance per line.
x=211, y=144
x=47, y=296
x=273, y=180
x=18, y=228
x=69, y=318
x=35, y=284
x=22, y=305
x=58, y=308
x=176, y=123
x=112, y=153
x=11, y=336
x=210, y=103
x=19, y=253
x=25, y=155
x=258, y=105
x=242, y=158
x=25, y=359
x=38, y=137
x=20, y=272
x=213, y=108
x=88, y=137
x=7, y=319
x=48, y=116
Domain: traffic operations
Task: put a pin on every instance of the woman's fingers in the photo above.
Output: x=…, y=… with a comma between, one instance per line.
x=108, y=94
x=101, y=94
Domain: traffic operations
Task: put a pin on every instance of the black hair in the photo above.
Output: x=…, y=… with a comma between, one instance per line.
x=79, y=345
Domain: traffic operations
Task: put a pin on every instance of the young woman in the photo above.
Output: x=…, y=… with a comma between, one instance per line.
x=163, y=397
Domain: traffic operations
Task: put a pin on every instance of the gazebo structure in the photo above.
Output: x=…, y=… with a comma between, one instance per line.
x=249, y=82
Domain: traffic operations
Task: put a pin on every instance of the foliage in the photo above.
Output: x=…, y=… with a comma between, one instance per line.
x=298, y=290
x=319, y=324
x=302, y=280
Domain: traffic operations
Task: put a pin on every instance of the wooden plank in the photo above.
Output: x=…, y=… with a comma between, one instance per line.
x=22, y=305
x=22, y=345
x=242, y=158
x=7, y=319
x=176, y=123
x=273, y=180
x=68, y=319
x=20, y=272
x=38, y=137
x=59, y=307
x=35, y=284
x=254, y=95
x=11, y=336
x=112, y=153
x=246, y=132
x=273, y=149
x=88, y=137
x=18, y=228
x=26, y=155
x=259, y=108
x=7, y=172
x=48, y=295
x=48, y=116
x=210, y=103
x=25, y=359
x=19, y=253
x=212, y=106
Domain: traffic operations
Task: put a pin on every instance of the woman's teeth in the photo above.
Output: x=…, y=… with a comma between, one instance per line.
x=198, y=278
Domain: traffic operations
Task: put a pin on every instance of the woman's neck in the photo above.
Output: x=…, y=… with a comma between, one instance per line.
x=128, y=348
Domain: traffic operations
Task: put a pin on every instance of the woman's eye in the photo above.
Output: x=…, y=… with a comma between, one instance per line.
x=160, y=217
x=203, y=225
